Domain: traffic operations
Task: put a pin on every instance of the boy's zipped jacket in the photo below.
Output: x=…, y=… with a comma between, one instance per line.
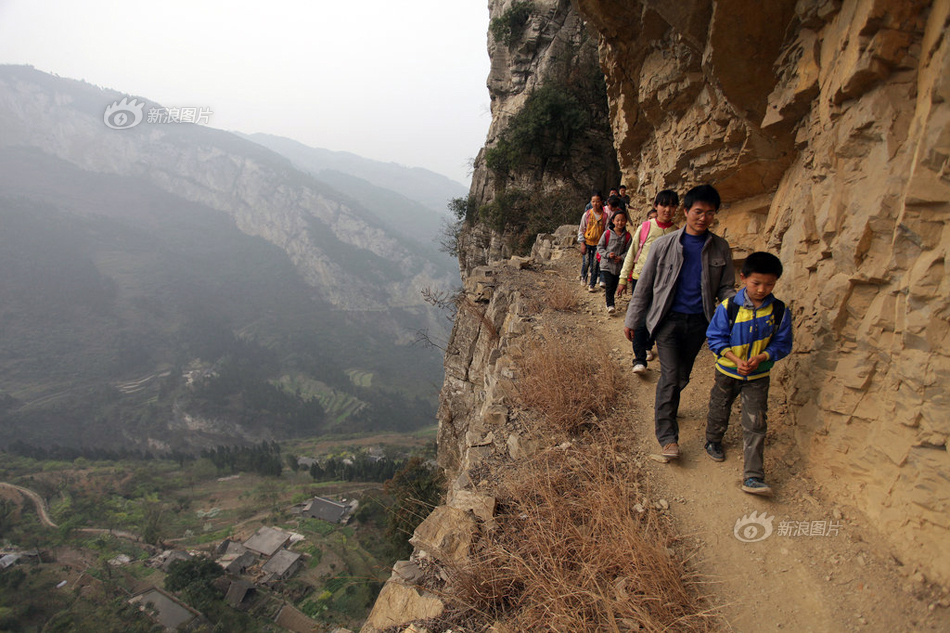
x=753, y=332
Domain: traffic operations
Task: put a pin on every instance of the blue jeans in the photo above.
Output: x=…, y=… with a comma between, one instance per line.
x=589, y=264
x=679, y=337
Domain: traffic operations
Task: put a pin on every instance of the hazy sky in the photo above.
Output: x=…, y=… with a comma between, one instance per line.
x=393, y=81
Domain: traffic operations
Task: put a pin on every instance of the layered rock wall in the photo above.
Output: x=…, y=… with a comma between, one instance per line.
x=826, y=128
x=554, y=46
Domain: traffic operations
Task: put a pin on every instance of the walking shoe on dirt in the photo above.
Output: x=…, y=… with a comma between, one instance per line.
x=755, y=486
x=650, y=354
x=591, y=288
x=672, y=450
x=714, y=450
x=639, y=368
x=602, y=284
x=611, y=309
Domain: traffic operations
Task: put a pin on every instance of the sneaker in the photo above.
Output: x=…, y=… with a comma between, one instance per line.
x=639, y=368
x=591, y=288
x=611, y=309
x=755, y=486
x=650, y=354
x=672, y=450
x=714, y=450
x=602, y=285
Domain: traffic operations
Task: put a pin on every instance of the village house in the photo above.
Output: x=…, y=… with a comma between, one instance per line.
x=267, y=540
x=325, y=509
x=281, y=566
x=165, y=608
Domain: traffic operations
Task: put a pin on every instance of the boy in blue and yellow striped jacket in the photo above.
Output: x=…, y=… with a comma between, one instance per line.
x=748, y=333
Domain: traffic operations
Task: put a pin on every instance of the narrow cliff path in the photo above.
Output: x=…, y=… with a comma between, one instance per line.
x=815, y=565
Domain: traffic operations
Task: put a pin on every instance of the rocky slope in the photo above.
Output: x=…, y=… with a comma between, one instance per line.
x=824, y=125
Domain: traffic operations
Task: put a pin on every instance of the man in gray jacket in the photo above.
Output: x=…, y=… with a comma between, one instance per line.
x=686, y=272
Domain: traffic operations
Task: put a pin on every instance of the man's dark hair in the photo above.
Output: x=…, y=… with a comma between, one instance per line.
x=702, y=193
x=762, y=263
x=615, y=201
x=667, y=197
x=621, y=187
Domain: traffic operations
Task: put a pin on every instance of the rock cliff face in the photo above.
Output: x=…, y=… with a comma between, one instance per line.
x=553, y=47
x=826, y=128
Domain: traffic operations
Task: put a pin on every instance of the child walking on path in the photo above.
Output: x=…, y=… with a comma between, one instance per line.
x=592, y=227
x=665, y=205
x=684, y=274
x=748, y=333
x=612, y=247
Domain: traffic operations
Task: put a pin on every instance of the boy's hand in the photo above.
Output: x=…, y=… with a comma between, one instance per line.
x=755, y=361
x=743, y=368
x=621, y=290
x=583, y=248
x=628, y=333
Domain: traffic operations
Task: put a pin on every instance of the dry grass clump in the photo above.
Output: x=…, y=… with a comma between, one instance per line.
x=569, y=381
x=562, y=298
x=577, y=550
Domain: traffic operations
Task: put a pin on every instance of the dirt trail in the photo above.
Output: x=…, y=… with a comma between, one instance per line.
x=41, y=509
x=838, y=576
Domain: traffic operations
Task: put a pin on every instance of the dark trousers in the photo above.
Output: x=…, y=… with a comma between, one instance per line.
x=679, y=337
x=755, y=400
x=590, y=266
x=610, y=286
x=641, y=336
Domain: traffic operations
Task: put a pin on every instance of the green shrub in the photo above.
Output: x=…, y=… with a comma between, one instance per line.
x=509, y=26
x=521, y=214
x=546, y=127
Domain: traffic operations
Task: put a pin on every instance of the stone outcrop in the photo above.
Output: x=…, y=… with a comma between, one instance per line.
x=554, y=46
x=826, y=127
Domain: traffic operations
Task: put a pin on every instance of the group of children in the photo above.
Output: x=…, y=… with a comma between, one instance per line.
x=676, y=277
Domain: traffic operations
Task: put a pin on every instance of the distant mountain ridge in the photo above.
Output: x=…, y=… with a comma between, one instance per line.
x=171, y=285
x=326, y=238
x=416, y=183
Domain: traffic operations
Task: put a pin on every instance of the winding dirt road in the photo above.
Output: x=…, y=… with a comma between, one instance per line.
x=43, y=512
x=37, y=500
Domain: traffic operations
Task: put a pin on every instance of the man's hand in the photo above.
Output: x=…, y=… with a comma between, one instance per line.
x=620, y=290
x=628, y=333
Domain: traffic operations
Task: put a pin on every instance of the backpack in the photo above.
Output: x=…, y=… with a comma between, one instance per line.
x=626, y=240
x=778, y=311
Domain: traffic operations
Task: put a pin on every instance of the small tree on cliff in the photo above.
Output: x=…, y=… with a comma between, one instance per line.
x=416, y=490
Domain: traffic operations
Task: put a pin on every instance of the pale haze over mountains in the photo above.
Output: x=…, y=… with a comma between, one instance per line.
x=169, y=285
